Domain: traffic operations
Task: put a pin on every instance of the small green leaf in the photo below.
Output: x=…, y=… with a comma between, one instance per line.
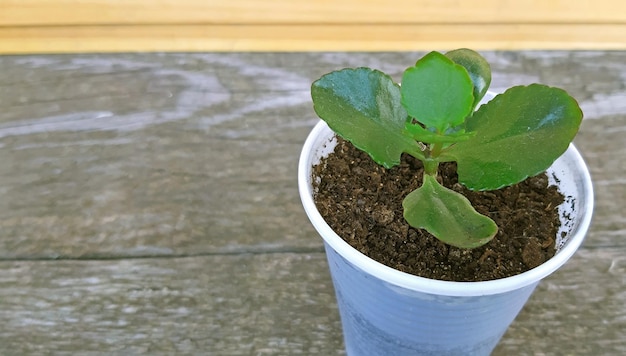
x=363, y=106
x=519, y=134
x=477, y=67
x=421, y=134
x=437, y=92
x=447, y=215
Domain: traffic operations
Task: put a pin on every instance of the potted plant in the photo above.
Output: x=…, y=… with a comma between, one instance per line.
x=441, y=113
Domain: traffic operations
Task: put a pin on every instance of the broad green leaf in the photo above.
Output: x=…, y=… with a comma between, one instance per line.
x=363, y=106
x=477, y=67
x=447, y=215
x=519, y=134
x=437, y=92
x=421, y=134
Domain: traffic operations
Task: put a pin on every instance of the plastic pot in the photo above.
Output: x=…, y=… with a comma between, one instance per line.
x=387, y=312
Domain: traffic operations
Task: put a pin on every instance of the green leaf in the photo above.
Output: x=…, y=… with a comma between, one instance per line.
x=437, y=92
x=363, y=106
x=519, y=134
x=447, y=215
x=478, y=69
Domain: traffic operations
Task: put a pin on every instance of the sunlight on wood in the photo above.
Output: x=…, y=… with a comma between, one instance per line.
x=39, y=26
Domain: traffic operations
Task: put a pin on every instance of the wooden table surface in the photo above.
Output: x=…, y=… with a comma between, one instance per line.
x=149, y=205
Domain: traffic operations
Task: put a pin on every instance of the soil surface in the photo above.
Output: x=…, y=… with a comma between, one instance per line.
x=362, y=203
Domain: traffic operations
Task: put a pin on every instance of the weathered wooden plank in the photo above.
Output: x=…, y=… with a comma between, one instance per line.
x=118, y=156
x=265, y=304
x=178, y=154
x=216, y=305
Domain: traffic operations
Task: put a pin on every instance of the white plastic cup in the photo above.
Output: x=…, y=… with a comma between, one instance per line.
x=387, y=312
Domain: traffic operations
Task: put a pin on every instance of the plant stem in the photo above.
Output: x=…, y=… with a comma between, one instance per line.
x=431, y=164
x=435, y=150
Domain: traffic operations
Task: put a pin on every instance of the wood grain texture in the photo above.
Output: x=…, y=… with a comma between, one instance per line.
x=262, y=38
x=274, y=304
x=139, y=12
x=150, y=205
x=69, y=26
x=269, y=304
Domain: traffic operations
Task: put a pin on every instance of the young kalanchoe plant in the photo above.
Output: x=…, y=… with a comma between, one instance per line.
x=433, y=117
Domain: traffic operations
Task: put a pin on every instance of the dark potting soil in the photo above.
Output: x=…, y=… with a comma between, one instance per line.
x=362, y=202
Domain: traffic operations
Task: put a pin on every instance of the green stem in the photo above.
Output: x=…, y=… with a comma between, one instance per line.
x=431, y=163
x=435, y=149
x=431, y=166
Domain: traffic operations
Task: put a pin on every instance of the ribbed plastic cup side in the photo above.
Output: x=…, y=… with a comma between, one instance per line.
x=383, y=319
